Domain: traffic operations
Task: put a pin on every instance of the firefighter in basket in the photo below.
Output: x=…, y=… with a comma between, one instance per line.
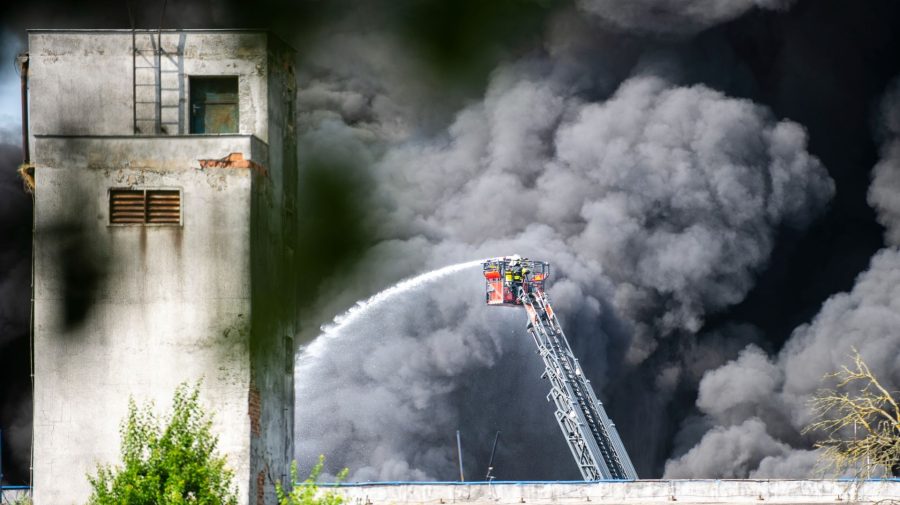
x=517, y=275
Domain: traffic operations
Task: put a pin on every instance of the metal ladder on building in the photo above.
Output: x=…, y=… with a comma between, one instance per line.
x=591, y=435
x=158, y=83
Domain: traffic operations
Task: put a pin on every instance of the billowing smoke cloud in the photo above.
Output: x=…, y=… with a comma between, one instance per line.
x=673, y=17
x=761, y=404
x=741, y=451
x=354, y=77
x=729, y=452
x=656, y=207
x=15, y=226
x=884, y=193
x=520, y=170
x=766, y=400
x=15, y=279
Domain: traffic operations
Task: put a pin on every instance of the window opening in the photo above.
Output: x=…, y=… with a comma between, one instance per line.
x=214, y=104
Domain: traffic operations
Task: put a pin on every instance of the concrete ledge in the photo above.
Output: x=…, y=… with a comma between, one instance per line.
x=155, y=153
x=757, y=492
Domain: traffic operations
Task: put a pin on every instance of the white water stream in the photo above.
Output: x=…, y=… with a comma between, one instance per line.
x=334, y=329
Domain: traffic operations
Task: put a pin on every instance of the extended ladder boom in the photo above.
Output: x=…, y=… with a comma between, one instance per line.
x=590, y=434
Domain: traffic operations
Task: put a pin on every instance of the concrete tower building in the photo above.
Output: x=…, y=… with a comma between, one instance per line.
x=165, y=185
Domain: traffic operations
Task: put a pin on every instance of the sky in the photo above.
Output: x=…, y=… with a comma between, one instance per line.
x=10, y=87
x=715, y=183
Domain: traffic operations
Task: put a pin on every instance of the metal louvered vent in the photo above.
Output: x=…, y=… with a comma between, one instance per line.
x=145, y=206
x=163, y=206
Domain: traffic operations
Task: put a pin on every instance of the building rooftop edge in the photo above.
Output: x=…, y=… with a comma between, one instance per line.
x=582, y=482
x=124, y=136
x=164, y=30
x=151, y=30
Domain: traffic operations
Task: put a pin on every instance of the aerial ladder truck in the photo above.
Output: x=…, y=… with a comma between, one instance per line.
x=592, y=437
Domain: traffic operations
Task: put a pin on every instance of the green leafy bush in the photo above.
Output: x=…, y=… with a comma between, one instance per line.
x=307, y=492
x=170, y=461
x=21, y=500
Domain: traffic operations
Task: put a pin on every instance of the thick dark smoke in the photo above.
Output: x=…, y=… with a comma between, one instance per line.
x=673, y=17
x=657, y=206
x=15, y=282
x=761, y=403
x=884, y=194
x=15, y=300
x=618, y=183
x=697, y=172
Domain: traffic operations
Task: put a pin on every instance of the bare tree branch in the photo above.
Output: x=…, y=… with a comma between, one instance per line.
x=859, y=421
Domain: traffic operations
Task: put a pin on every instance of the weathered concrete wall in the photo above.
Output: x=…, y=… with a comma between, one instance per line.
x=81, y=81
x=214, y=298
x=166, y=154
x=638, y=492
x=274, y=289
x=167, y=304
x=80, y=85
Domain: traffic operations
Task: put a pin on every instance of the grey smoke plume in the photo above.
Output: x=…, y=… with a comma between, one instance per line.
x=15, y=278
x=756, y=392
x=728, y=452
x=673, y=17
x=656, y=207
x=884, y=193
x=741, y=451
x=731, y=402
x=355, y=77
x=766, y=399
x=15, y=227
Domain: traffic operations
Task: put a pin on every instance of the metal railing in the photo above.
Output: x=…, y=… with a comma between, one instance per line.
x=11, y=495
x=14, y=495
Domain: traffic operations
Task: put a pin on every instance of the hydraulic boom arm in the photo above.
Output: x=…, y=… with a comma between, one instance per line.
x=590, y=434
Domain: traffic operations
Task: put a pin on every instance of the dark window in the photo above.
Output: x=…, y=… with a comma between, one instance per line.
x=214, y=104
x=145, y=206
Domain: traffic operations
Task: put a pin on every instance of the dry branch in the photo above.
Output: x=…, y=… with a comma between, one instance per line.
x=860, y=421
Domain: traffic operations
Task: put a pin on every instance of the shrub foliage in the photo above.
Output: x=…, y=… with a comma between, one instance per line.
x=307, y=492
x=168, y=461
